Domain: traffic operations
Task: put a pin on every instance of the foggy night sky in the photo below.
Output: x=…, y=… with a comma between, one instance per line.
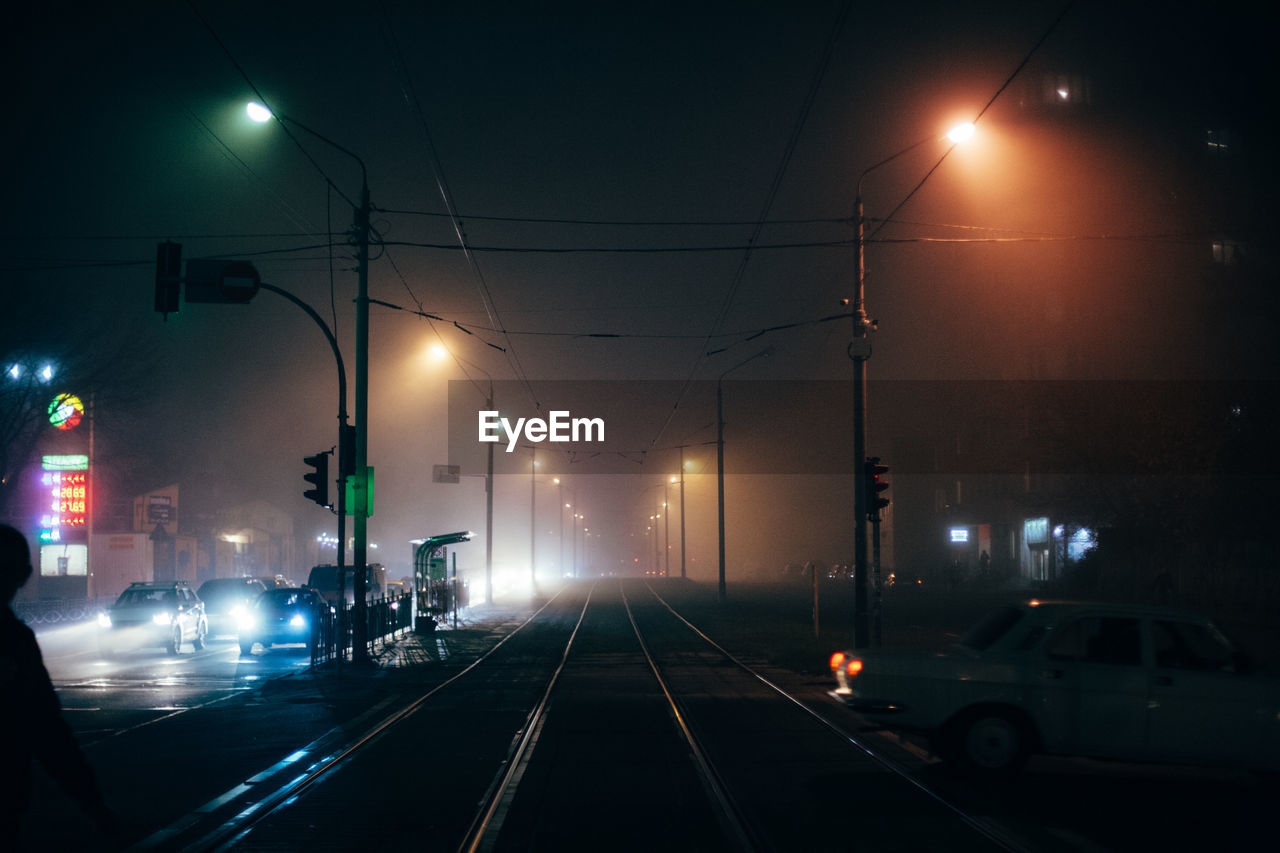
x=129, y=129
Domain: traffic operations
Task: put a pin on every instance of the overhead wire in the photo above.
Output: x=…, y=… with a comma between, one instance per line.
x=788, y=151
x=414, y=104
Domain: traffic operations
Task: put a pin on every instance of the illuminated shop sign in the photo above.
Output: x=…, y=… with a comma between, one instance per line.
x=64, y=488
x=959, y=535
x=66, y=411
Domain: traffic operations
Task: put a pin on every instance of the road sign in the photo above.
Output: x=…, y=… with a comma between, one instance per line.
x=446, y=474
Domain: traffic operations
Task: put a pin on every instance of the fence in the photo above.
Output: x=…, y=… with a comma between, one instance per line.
x=59, y=611
x=386, y=618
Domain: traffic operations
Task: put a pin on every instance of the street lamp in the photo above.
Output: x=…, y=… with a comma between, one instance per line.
x=764, y=353
x=859, y=352
x=360, y=479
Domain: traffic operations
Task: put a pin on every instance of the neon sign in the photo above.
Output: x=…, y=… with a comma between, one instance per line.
x=64, y=483
x=66, y=411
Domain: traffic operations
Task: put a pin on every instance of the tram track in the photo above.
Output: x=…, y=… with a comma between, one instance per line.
x=655, y=689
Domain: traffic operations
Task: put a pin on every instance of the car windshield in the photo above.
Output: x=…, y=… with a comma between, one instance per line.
x=228, y=588
x=135, y=597
x=284, y=598
x=996, y=624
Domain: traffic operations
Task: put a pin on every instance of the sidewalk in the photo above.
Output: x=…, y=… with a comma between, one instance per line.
x=478, y=629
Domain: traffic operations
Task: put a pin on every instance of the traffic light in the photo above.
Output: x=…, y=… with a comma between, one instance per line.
x=168, y=275
x=319, y=478
x=875, y=485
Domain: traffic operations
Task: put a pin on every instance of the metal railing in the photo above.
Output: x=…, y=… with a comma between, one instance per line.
x=59, y=611
x=386, y=618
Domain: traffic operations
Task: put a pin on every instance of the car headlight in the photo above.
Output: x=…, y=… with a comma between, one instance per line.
x=237, y=612
x=104, y=620
x=162, y=618
x=297, y=621
x=245, y=621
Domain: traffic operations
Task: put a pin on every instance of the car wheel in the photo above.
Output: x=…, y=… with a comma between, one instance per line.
x=246, y=648
x=202, y=631
x=175, y=640
x=992, y=743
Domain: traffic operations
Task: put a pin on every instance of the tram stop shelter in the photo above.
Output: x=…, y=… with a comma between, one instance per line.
x=435, y=591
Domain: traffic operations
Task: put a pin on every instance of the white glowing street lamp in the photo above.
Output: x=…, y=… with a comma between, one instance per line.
x=360, y=476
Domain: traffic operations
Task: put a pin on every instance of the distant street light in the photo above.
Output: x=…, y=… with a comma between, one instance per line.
x=764, y=353
x=859, y=352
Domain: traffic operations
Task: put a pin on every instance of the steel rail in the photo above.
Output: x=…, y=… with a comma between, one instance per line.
x=991, y=832
x=730, y=815
x=232, y=831
x=488, y=818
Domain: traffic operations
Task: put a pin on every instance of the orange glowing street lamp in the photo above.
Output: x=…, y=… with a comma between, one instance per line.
x=859, y=352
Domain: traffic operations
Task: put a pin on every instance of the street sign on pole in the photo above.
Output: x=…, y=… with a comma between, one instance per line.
x=446, y=474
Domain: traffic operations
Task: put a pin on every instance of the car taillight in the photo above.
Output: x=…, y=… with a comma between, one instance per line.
x=837, y=660
x=852, y=667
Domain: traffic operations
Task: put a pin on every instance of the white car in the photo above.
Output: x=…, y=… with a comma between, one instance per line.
x=1072, y=678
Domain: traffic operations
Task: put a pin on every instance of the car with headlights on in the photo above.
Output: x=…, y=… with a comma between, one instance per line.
x=282, y=616
x=1109, y=681
x=226, y=600
x=164, y=614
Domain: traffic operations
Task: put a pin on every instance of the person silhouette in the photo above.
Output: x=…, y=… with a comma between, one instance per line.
x=31, y=723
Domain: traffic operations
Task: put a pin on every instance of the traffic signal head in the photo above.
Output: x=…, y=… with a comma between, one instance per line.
x=876, y=484
x=318, y=477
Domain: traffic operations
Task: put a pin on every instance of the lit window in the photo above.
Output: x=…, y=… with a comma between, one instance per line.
x=1227, y=252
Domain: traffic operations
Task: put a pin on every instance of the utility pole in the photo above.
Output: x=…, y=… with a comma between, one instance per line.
x=359, y=612
x=682, y=572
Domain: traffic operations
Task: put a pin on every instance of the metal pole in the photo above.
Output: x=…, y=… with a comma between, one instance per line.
x=666, y=535
x=341, y=482
x=877, y=600
x=720, y=475
x=533, y=465
x=858, y=351
x=764, y=353
x=682, y=572
x=657, y=560
x=360, y=650
x=359, y=615
x=488, y=515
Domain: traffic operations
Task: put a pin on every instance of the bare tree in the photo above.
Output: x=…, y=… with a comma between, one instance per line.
x=47, y=350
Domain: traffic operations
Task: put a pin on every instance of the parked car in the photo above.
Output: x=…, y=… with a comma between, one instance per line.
x=226, y=600
x=153, y=614
x=1073, y=678
x=281, y=616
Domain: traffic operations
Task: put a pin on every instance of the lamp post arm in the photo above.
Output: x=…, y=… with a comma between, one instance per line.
x=333, y=344
x=341, y=497
x=364, y=172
